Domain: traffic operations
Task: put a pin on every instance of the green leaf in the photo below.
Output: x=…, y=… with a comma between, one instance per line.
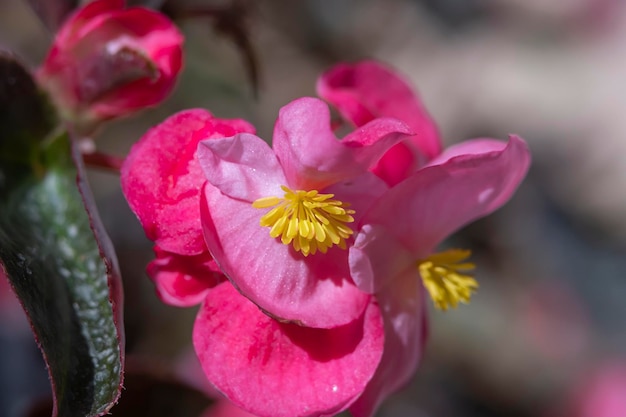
x=56, y=254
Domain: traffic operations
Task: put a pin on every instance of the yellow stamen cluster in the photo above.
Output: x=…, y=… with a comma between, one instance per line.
x=308, y=220
x=444, y=278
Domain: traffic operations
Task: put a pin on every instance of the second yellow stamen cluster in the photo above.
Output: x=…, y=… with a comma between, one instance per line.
x=444, y=278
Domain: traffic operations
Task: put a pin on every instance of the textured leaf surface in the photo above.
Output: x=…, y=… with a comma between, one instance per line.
x=56, y=254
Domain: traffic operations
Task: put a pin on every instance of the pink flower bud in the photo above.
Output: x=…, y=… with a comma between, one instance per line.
x=109, y=61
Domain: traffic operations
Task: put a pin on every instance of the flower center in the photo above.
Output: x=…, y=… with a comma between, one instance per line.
x=308, y=220
x=444, y=278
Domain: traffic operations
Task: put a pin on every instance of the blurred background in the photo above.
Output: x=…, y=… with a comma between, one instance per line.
x=546, y=334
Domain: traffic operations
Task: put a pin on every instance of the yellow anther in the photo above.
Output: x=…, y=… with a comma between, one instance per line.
x=307, y=220
x=445, y=279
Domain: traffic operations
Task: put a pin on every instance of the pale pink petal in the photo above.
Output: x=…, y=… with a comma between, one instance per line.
x=311, y=155
x=183, y=281
x=161, y=178
x=366, y=90
x=376, y=258
x=274, y=369
x=437, y=200
x=405, y=319
x=316, y=290
x=242, y=167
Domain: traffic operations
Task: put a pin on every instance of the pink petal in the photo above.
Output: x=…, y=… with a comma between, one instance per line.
x=437, y=200
x=161, y=179
x=311, y=155
x=469, y=147
x=366, y=90
x=360, y=192
x=242, y=167
x=398, y=163
x=183, y=281
x=315, y=291
x=405, y=319
x=274, y=369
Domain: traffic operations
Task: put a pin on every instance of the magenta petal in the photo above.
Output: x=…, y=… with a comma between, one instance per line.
x=161, y=178
x=316, y=290
x=273, y=369
x=366, y=90
x=183, y=281
x=404, y=314
x=437, y=200
x=311, y=155
x=242, y=167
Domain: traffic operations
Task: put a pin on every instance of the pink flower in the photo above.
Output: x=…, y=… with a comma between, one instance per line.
x=432, y=195
x=278, y=221
x=108, y=61
x=393, y=250
x=266, y=367
x=366, y=90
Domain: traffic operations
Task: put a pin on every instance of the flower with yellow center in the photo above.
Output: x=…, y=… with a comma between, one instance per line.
x=307, y=220
x=444, y=277
x=275, y=218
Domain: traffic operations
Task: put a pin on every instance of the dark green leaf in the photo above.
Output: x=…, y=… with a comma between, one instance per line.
x=25, y=116
x=58, y=258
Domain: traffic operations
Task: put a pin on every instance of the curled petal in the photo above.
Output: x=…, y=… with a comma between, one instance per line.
x=469, y=147
x=242, y=167
x=274, y=369
x=161, y=178
x=311, y=155
x=365, y=90
x=423, y=210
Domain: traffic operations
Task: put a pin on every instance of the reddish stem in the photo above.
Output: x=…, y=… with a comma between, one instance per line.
x=101, y=160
